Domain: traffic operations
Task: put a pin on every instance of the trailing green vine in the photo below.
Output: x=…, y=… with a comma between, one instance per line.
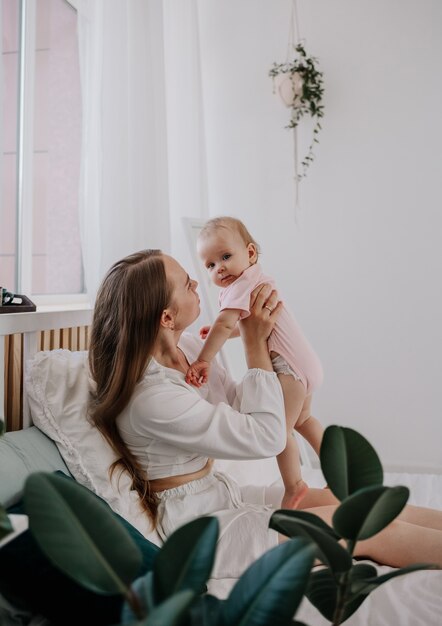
x=305, y=97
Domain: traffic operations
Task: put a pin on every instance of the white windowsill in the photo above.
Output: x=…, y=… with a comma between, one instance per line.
x=46, y=317
x=55, y=308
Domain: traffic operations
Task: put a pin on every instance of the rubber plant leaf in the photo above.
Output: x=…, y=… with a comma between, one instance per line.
x=186, y=559
x=360, y=577
x=205, y=611
x=323, y=592
x=271, y=589
x=79, y=534
x=142, y=589
x=348, y=461
x=172, y=610
x=304, y=524
x=369, y=583
x=368, y=511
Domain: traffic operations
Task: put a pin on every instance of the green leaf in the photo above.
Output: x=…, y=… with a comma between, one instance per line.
x=322, y=592
x=271, y=589
x=363, y=581
x=303, y=516
x=146, y=590
x=348, y=461
x=141, y=588
x=351, y=606
x=361, y=571
x=5, y=524
x=302, y=523
x=368, y=511
x=368, y=583
x=354, y=600
x=79, y=534
x=168, y=613
x=171, y=610
x=186, y=559
x=205, y=611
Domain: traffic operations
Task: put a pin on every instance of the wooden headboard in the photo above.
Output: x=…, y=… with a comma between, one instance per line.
x=21, y=336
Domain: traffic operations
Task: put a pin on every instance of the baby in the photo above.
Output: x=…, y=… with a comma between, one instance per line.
x=230, y=255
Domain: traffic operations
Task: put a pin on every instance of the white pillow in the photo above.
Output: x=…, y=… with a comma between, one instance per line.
x=57, y=384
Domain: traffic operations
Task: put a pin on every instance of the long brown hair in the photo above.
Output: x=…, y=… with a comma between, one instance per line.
x=127, y=313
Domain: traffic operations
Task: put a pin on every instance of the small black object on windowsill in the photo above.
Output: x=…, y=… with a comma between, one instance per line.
x=14, y=302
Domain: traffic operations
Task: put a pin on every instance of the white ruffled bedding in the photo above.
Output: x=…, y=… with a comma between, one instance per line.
x=411, y=600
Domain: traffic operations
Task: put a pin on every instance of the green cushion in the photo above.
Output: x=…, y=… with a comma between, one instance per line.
x=21, y=453
x=30, y=582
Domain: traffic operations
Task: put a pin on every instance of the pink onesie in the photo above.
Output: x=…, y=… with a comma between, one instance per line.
x=287, y=338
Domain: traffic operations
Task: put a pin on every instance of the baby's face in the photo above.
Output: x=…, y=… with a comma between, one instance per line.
x=225, y=255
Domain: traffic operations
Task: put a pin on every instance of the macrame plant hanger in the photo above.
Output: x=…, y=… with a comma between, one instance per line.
x=293, y=41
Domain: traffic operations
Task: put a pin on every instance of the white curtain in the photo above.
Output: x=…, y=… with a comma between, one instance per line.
x=90, y=52
x=185, y=122
x=143, y=164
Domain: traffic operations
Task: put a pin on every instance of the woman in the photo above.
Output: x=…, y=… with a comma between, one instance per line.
x=166, y=432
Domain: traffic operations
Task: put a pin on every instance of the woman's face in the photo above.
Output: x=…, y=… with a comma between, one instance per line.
x=185, y=299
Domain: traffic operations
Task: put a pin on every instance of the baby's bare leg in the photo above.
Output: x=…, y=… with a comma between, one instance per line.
x=289, y=462
x=309, y=427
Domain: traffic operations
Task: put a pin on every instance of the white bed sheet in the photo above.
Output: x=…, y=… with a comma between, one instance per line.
x=411, y=600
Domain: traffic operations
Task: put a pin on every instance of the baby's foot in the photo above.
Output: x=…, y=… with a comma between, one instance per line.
x=293, y=496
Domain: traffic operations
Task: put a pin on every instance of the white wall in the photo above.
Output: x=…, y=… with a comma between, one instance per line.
x=362, y=267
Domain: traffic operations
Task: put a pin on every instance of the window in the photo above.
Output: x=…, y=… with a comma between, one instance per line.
x=40, y=252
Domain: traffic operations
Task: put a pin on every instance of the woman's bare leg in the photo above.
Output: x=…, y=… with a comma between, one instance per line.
x=417, y=515
x=316, y=497
x=422, y=516
x=398, y=545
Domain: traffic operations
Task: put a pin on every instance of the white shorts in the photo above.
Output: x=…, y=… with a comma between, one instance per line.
x=243, y=514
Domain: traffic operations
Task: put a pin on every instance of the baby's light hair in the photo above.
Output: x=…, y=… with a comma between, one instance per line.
x=232, y=224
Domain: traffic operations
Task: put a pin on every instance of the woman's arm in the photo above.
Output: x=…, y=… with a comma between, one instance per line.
x=171, y=412
x=256, y=328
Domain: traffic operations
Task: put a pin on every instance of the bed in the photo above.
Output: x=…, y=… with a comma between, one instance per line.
x=57, y=344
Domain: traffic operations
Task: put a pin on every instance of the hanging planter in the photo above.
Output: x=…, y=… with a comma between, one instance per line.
x=299, y=83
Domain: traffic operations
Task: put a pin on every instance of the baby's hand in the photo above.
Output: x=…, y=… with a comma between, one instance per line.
x=204, y=331
x=198, y=373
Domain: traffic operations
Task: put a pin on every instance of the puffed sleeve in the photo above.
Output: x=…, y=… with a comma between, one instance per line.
x=178, y=415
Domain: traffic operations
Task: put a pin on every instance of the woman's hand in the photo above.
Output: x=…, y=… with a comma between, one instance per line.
x=256, y=328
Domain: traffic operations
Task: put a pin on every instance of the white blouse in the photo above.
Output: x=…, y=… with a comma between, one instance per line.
x=173, y=428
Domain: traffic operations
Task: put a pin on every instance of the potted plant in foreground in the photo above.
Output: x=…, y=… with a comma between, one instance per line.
x=80, y=536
